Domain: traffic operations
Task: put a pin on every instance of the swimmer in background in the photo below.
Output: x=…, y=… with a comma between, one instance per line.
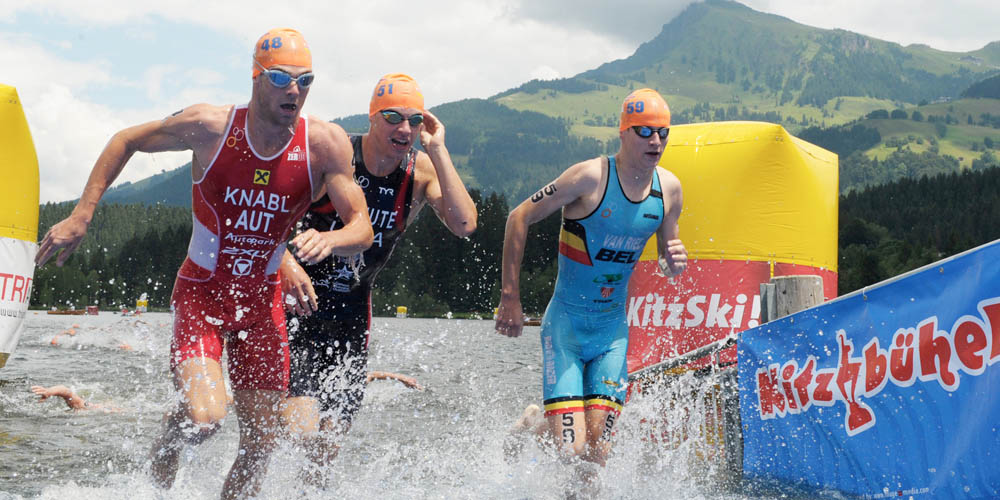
x=72, y=399
x=403, y=379
x=69, y=331
x=531, y=422
x=125, y=346
x=75, y=402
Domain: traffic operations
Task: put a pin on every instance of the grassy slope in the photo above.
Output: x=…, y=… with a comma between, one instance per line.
x=727, y=30
x=958, y=139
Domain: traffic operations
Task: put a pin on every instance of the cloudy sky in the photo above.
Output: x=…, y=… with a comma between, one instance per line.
x=84, y=70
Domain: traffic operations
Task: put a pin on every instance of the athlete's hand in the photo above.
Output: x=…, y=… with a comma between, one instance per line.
x=297, y=289
x=66, y=235
x=313, y=246
x=510, y=317
x=431, y=132
x=409, y=382
x=675, y=262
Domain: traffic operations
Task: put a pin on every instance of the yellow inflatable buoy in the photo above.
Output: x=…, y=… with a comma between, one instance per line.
x=18, y=219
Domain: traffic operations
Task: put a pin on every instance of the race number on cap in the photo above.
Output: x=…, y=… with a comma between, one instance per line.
x=396, y=90
x=281, y=46
x=644, y=107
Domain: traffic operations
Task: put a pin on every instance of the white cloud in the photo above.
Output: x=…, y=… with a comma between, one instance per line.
x=544, y=72
x=957, y=25
x=455, y=50
x=67, y=129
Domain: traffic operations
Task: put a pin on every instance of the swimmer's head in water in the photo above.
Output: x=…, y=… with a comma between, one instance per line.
x=396, y=90
x=644, y=107
x=281, y=46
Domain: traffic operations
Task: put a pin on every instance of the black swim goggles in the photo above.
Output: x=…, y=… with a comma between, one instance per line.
x=395, y=117
x=281, y=79
x=647, y=132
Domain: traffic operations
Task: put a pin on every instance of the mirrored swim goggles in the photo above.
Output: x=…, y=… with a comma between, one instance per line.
x=281, y=79
x=395, y=117
x=646, y=132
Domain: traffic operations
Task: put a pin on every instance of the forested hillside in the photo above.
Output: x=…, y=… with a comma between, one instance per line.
x=128, y=250
x=893, y=228
x=916, y=130
x=884, y=231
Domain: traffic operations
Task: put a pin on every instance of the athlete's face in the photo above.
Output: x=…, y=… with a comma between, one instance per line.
x=643, y=151
x=395, y=139
x=281, y=104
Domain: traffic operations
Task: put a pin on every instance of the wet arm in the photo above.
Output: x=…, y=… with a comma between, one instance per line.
x=564, y=190
x=672, y=255
x=333, y=155
x=445, y=191
x=173, y=133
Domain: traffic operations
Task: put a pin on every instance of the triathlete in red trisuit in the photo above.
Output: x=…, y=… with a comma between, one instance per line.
x=255, y=169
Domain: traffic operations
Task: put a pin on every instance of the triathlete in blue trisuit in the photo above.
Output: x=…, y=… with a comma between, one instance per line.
x=610, y=208
x=329, y=338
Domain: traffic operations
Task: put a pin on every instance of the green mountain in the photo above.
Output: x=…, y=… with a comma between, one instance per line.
x=744, y=63
x=171, y=187
x=988, y=88
x=717, y=60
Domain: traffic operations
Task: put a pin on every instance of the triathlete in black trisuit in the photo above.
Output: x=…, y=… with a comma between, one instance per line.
x=329, y=348
x=331, y=301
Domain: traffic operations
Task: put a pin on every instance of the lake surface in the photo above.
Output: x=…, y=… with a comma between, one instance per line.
x=443, y=442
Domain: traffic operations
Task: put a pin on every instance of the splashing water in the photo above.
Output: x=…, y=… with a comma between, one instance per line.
x=444, y=442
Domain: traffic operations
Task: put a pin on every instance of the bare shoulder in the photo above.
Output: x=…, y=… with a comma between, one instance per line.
x=423, y=169
x=584, y=176
x=327, y=138
x=577, y=188
x=324, y=132
x=669, y=183
x=201, y=118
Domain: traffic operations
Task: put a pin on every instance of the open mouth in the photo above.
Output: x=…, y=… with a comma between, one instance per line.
x=399, y=142
x=289, y=107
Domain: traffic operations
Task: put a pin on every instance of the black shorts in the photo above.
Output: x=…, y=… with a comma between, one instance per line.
x=329, y=362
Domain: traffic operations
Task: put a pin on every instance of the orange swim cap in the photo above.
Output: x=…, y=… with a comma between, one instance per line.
x=281, y=46
x=396, y=90
x=644, y=107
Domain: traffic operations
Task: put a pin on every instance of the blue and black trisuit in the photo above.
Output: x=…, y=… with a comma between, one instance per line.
x=584, y=331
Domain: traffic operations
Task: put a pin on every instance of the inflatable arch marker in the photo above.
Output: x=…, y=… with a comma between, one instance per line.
x=758, y=203
x=18, y=219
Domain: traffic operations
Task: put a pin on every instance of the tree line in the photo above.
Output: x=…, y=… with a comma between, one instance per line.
x=885, y=230
x=889, y=229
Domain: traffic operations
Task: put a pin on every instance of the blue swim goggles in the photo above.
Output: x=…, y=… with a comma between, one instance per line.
x=281, y=79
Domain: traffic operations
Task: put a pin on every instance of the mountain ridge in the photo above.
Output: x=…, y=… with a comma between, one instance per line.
x=716, y=60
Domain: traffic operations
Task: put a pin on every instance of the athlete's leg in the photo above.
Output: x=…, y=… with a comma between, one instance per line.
x=600, y=423
x=300, y=416
x=562, y=379
x=568, y=428
x=258, y=371
x=197, y=375
x=202, y=407
x=257, y=411
x=530, y=422
x=301, y=420
x=327, y=383
x=605, y=381
x=319, y=424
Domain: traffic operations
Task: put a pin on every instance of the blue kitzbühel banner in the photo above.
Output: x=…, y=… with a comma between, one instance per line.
x=892, y=391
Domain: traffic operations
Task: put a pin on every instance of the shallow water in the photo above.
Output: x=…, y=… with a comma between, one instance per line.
x=443, y=442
